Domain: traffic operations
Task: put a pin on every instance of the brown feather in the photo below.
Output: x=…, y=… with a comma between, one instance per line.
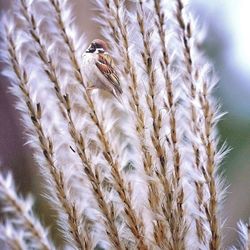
x=101, y=43
x=106, y=66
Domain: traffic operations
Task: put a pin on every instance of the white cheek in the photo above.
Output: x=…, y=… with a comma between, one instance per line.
x=100, y=50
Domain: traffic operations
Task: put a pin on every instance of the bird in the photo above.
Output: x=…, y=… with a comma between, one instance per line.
x=99, y=69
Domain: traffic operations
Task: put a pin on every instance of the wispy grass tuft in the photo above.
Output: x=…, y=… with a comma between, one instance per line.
x=140, y=174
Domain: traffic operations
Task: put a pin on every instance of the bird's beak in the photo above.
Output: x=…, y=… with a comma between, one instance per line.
x=90, y=49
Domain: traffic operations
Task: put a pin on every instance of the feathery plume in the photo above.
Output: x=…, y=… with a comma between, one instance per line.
x=138, y=175
x=33, y=116
x=22, y=224
x=11, y=237
x=200, y=80
x=244, y=236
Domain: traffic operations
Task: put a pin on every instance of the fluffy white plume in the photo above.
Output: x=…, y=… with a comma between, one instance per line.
x=141, y=174
x=244, y=236
x=21, y=227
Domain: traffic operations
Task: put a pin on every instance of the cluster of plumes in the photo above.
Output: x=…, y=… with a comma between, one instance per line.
x=22, y=225
x=142, y=175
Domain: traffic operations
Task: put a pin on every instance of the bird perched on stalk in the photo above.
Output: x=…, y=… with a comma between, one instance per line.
x=99, y=69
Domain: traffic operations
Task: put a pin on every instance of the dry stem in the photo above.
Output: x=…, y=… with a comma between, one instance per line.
x=178, y=229
x=129, y=69
x=207, y=140
x=77, y=137
x=133, y=221
x=46, y=146
x=160, y=230
x=29, y=222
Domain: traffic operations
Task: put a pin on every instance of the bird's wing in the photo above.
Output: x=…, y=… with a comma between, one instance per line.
x=106, y=65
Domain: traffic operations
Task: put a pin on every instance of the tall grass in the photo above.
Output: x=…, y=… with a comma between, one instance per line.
x=136, y=175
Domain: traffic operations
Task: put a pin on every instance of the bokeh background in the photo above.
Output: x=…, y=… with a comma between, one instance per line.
x=227, y=45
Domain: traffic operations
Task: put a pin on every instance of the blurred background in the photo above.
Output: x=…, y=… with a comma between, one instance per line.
x=227, y=45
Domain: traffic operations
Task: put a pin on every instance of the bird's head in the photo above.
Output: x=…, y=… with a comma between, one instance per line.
x=97, y=46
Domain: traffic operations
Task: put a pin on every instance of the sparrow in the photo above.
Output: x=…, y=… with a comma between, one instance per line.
x=99, y=69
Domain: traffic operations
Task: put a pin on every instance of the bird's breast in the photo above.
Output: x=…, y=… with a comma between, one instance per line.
x=89, y=68
x=88, y=63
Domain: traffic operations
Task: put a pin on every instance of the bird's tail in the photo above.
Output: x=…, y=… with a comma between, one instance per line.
x=117, y=93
